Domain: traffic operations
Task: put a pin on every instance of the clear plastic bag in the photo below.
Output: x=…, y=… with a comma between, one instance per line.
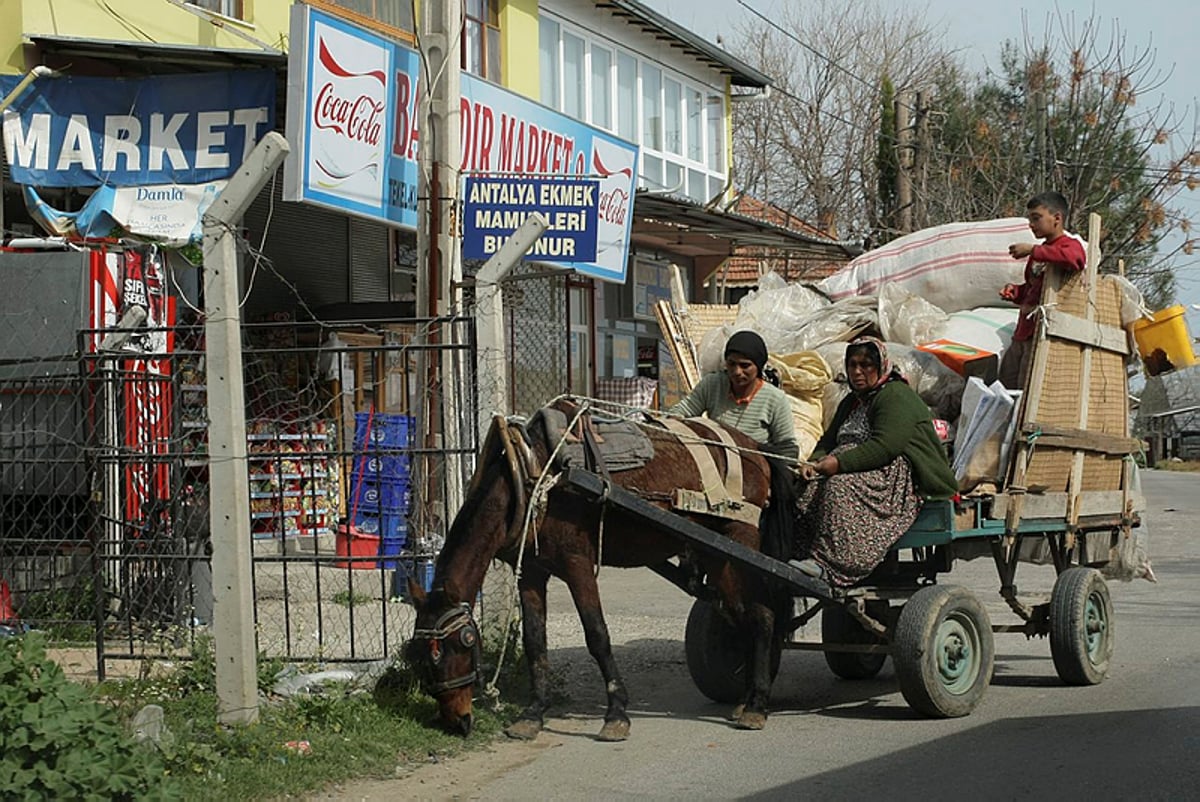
x=909, y=319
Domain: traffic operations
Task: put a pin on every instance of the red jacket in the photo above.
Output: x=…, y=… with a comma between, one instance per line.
x=1064, y=252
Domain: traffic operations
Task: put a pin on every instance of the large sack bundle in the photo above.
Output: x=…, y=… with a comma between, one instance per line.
x=803, y=377
x=955, y=266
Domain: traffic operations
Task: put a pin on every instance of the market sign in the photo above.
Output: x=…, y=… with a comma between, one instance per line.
x=493, y=208
x=160, y=131
x=352, y=121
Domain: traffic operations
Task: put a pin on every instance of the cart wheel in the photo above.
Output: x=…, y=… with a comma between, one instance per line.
x=943, y=651
x=716, y=655
x=1081, y=626
x=838, y=626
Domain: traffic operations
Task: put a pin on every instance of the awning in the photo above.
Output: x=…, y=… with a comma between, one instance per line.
x=150, y=57
x=682, y=226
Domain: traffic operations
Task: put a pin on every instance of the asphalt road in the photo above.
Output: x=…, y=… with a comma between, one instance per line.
x=1135, y=736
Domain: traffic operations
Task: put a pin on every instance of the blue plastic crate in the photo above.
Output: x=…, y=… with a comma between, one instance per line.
x=380, y=495
x=386, y=525
x=381, y=466
x=387, y=431
x=391, y=547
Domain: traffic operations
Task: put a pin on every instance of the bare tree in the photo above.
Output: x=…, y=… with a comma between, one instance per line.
x=812, y=147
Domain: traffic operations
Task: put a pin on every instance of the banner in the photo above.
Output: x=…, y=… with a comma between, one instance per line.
x=352, y=121
x=162, y=130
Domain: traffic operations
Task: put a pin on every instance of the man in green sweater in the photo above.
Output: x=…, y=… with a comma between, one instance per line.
x=878, y=461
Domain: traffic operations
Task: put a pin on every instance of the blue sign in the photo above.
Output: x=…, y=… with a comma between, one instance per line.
x=352, y=120
x=167, y=129
x=493, y=208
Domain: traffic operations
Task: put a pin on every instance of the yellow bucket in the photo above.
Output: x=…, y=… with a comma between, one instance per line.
x=1164, y=342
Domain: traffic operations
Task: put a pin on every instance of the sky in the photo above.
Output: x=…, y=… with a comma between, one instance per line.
x=977, y=29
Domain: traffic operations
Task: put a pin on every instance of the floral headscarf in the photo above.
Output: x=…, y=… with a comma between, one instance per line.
x=887, y=371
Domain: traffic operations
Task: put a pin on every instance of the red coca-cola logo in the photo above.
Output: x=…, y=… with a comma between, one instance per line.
x=358, y=118
x=612, y=206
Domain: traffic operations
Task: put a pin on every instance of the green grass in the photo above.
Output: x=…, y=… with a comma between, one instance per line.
x=346, y=598
x=351, y=733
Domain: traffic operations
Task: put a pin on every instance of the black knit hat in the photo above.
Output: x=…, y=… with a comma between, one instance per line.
x=749, y=345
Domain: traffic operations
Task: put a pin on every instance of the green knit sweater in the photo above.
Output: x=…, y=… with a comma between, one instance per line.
x=767, y=418
x=900, y=426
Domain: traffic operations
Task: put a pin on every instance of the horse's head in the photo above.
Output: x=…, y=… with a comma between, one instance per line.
x=445, y=652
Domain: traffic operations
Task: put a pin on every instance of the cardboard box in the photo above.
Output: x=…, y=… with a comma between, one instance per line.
x=965, y=360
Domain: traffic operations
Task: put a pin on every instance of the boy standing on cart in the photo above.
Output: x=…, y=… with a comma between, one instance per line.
x=1047, y=214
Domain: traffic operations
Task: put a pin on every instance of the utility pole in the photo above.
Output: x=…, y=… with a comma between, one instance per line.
x=439, y=263
x=904, y=163
x=229, y=508
x=921, y=161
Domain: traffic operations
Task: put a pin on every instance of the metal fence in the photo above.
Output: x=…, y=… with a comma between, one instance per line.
x=104, y=502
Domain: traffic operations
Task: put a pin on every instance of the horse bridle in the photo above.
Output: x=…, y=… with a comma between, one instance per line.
x=457, y=620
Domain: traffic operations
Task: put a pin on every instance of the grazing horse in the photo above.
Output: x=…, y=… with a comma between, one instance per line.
x=569, y=540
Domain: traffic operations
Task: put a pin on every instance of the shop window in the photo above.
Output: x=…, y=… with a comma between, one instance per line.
x=481, y=38
x=580, y=354
x=397, y=14
x=226, y=8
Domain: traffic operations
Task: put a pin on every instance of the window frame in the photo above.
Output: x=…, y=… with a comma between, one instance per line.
x=488, y=25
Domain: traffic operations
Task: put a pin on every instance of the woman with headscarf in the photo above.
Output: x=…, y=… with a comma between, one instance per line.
x=880, y=459
x=741, y=398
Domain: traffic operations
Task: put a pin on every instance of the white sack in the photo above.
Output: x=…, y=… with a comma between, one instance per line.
x=909, y=319
x=955, y=266
x=986, y=328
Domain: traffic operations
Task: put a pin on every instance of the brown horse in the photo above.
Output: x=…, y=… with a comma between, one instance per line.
x=566, y=543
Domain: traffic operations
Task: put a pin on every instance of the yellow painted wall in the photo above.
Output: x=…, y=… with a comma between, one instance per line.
x=519, y=47
x=134, y=21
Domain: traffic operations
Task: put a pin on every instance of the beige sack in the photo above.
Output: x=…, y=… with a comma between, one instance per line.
x=803, y=377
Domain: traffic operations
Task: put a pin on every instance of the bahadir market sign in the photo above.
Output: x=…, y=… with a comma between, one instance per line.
x=352, y=119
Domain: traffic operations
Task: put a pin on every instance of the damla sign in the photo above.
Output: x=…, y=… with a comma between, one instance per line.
x=352, y=119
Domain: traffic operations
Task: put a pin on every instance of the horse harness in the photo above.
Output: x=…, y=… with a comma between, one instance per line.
x=454, y=629
x=721, y=494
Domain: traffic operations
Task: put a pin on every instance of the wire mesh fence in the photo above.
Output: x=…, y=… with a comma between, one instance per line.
x=360, y=439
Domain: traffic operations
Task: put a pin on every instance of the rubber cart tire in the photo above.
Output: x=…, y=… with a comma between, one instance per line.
x=943, y=651
x=1081, y=626
x=838, y=626
x=716, y=655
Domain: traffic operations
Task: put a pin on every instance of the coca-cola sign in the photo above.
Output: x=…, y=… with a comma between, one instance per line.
x=353, y=122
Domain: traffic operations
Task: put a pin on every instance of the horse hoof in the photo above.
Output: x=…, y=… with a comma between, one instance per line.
x=614, y=731
x=750, y=720
x=737, y=712
x=524, y=730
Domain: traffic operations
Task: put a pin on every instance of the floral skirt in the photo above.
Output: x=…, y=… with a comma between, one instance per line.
x=848, y=521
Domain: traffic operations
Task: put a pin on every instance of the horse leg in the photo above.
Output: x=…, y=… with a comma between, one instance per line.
x=586, y=595
x=532, y=587
x=760, y=622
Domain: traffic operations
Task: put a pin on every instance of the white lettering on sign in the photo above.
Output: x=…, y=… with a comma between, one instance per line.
x=126, y=142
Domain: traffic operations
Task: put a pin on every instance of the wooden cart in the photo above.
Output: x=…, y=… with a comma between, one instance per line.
x=1068, y=495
